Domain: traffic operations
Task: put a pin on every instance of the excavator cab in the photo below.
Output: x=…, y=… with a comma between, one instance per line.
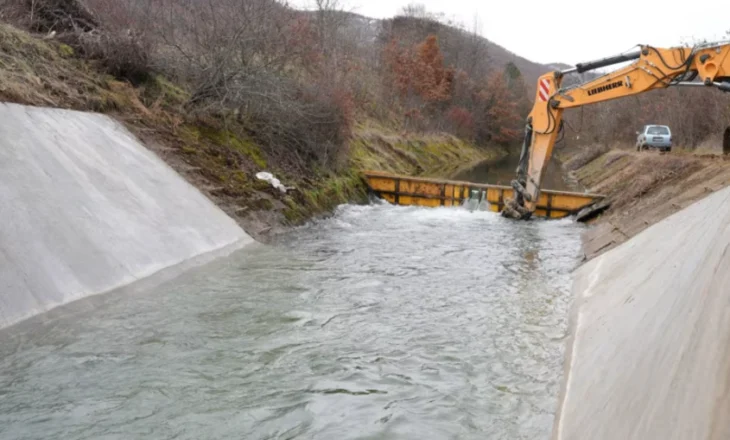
x=706, y=65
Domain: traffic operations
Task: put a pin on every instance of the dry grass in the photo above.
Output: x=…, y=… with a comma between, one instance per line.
x=377, y=147
x=653, y=172
x=646, y=187
x=711, y=145
x=656, y=170
x=36, y=72
x=216, y=153
x=585, y=156
x=629, y=177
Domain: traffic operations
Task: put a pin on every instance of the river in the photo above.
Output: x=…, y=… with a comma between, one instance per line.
x=380, y=322
x=503, y=171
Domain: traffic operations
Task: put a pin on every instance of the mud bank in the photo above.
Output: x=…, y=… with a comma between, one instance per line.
x=644, y=188
x=86, y=209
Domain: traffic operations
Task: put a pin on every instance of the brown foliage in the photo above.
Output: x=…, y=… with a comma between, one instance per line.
x=255, y=60
x=431, y=79
x=419, y=74
x=438, y=96
x=462, y=121
x=295, y=79
x=113, y=38
x=498, y=112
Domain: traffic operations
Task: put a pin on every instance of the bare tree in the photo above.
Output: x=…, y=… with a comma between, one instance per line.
x=415, y=10
x=58, y=15
x=329, y=20
x=477, y=49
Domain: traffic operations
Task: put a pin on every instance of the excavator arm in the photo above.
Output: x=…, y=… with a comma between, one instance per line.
x=651, y=68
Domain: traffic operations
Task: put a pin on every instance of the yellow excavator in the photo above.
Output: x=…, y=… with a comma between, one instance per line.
x=705, y=65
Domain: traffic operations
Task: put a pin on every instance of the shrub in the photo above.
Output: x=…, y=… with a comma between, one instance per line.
x=122, y=54
x=296, y=123
x=461, y=121
x=60, y=16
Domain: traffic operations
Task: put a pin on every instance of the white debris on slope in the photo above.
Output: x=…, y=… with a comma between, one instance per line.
x=276, y=183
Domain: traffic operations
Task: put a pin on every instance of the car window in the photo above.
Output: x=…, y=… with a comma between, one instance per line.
x=657, y=130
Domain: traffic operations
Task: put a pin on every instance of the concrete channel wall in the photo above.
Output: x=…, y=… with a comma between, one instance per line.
x=85, y=208
x=650, y=351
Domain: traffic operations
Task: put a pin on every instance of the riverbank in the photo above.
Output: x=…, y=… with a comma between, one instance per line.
x=503, y=170
x=218, y=153
x=642, y=187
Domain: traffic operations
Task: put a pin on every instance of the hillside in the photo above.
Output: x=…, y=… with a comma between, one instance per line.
x=463, y=48
x=344, y=58
x=300, y=79
x=217, y=154
x=225, y=90
x=531, y=70
x=455, y=41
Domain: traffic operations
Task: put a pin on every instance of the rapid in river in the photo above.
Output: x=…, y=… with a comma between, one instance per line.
x=380, y=322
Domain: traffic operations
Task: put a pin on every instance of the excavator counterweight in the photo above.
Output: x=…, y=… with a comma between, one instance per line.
x=651, y=68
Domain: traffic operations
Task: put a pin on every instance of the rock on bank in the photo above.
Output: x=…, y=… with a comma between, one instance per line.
x=650, y=351
x=85, y=208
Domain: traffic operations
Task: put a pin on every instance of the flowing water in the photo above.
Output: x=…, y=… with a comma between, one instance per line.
x=381, y=322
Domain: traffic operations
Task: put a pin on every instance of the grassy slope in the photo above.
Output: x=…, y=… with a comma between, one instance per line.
x=213, y=153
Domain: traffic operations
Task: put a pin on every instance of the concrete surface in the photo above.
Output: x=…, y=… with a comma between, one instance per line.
x=85, y=208
x=649, y=355
x=601, y=238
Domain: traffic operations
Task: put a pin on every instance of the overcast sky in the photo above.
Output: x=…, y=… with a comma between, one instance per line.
x=571, y=31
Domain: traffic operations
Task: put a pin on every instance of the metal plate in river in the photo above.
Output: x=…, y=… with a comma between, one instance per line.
x=380, y=322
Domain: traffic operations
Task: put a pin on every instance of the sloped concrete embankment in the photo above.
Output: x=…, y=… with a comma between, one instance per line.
x=85, y=208
x=650, y=351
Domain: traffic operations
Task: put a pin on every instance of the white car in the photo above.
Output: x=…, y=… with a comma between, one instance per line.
x=654, y=136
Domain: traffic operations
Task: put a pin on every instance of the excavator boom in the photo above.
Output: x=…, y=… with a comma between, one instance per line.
x=651, y=68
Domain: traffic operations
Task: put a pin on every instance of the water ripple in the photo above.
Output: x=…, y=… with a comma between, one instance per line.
x=381, y=322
